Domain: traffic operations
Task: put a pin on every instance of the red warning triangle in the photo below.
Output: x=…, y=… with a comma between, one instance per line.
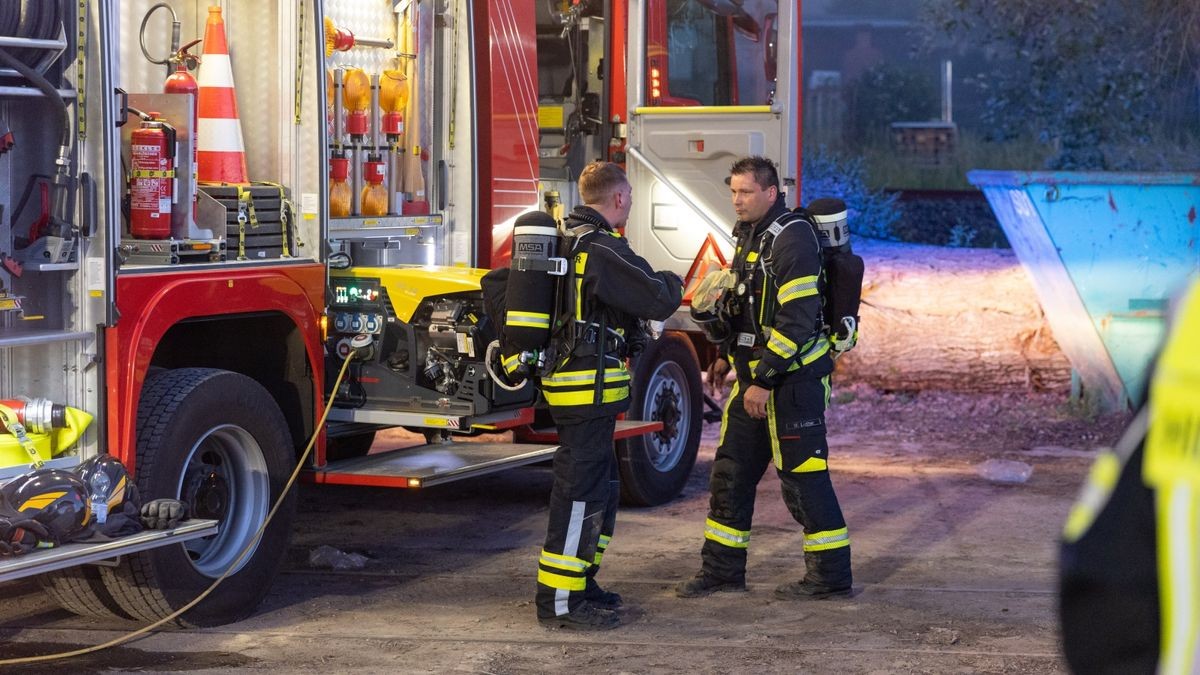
x=707, y=260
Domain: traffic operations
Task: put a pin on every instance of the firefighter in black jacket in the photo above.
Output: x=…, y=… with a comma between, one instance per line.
x=776, y=410
x=613, y=288
x=1130, y=558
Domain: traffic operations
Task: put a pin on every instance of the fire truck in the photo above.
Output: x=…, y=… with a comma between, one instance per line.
x=185, y=265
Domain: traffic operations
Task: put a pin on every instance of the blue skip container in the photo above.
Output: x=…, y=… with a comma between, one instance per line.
x=1106, y=252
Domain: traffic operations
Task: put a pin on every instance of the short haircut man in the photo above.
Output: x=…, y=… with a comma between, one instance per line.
x=598, y=180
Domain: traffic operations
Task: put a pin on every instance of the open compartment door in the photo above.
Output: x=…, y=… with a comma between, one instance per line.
x=695, y=109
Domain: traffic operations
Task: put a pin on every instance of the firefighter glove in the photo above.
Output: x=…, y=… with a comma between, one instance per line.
x=163, y=514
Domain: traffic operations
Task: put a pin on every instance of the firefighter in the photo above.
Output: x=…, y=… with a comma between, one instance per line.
x=610, y=288
x=1130, y=559
x=776, y=410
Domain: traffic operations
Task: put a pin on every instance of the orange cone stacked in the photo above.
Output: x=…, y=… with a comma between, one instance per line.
x=221, y=156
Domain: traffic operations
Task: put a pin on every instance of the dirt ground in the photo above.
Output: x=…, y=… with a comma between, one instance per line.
x=953, y=573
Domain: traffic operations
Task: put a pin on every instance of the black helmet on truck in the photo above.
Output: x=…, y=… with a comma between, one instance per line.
x=55, y=499
x=109, y=486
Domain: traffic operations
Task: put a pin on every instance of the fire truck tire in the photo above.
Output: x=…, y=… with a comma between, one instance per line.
x=666, y=387
x=217, y=441
x=80, y=590
x=348, y=447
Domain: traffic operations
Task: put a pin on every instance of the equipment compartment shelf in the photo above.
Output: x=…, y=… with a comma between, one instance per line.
x=40, y=337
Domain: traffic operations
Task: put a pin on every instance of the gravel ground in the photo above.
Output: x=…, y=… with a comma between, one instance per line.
x=953, y=573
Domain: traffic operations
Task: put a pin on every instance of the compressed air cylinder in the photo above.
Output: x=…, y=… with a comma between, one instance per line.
x=843, y=269
x=530, y=292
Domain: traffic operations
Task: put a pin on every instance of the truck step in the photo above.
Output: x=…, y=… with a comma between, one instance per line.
x=50, y=559
x=437, y=463
x=428, y=465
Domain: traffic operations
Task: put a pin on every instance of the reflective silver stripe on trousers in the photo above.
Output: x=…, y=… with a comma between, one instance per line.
x=571, y=550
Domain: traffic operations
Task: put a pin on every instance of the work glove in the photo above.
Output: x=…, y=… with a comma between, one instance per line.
x=19, y=534
x=163, y=514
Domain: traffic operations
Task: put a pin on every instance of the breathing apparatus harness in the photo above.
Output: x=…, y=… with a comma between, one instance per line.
x=840, y=285
x=747, y=269
x=570, y=333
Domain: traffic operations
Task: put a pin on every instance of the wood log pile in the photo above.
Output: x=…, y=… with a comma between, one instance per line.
x=953, y=319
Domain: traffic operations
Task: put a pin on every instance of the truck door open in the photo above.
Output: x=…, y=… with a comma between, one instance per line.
x=709, y=82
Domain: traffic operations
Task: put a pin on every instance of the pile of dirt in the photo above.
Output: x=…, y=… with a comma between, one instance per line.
x=1007, y=422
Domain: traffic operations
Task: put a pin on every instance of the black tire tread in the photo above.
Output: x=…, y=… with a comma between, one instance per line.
x=80, y=590
x=633, y=494
x=134, y=584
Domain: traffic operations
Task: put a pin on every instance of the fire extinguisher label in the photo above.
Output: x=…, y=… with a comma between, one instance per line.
x=150, y=190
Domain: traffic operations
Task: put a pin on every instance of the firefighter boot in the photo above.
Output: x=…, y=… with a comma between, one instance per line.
x=702, y=585
x=828, y=577
x=808, y=590
x=600, y=598
x=585, y=617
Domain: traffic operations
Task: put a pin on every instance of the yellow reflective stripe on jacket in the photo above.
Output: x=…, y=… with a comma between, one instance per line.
x=781, y=345
x=563, y=398
x=812, y=352
x=527, y=319
x=573, y=378
x=580, y=265
x=752, y=256
x=725, y=535
x=1171, y=467
x=828, y=539
x=511, y=363
x=800, y=287
x=1176, y=510
x=1173, y=439
x=1101, y=481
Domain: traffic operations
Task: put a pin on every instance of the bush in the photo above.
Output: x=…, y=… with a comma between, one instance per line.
x=827, y=174
x=959, y=219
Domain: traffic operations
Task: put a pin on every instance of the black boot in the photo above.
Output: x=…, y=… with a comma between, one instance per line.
x=702, y=585
x=585, y=617
x=600, y=598
x=808, y=590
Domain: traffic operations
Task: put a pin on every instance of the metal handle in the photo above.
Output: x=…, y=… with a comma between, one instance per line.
x=443, y=186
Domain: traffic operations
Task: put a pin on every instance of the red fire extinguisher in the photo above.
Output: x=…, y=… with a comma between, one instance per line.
x=151, y=186
x=182, y=82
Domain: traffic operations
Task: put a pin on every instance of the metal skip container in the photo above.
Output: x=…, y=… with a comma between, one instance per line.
x=1106, y=252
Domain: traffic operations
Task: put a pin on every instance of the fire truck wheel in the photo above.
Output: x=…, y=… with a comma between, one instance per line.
x=217, y=441
x=80, y=590
x=666, y=387
x=347, y=447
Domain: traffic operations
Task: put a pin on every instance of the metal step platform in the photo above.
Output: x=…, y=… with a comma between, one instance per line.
x=50, y=559
x=438, y=463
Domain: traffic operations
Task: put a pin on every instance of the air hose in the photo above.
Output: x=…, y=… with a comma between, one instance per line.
x=312, y=441
x=488, y=358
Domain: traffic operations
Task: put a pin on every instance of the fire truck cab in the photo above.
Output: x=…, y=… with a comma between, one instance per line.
x=189, y=271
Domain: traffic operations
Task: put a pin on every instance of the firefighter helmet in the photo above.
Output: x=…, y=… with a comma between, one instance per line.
x=56, y=499
x=109, y=485
x=714, y=324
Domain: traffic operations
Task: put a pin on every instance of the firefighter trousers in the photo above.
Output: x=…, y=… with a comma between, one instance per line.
x=583, y=512
x=793, y=438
